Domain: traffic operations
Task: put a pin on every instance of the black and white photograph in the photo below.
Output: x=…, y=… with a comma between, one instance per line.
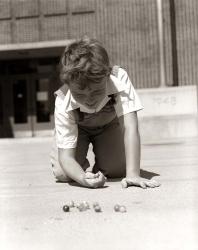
x=98, y=124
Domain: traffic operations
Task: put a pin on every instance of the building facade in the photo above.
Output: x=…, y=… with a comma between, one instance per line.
x=33, y=34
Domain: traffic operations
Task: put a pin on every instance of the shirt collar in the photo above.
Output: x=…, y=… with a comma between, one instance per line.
x=114, y=86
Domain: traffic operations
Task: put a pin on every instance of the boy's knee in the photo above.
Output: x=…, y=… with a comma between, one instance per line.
x=59, y=175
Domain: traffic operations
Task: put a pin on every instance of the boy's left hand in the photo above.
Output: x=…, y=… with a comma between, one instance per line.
x=140, y=182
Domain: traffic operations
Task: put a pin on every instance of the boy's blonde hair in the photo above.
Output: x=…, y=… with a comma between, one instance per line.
x=84, y=61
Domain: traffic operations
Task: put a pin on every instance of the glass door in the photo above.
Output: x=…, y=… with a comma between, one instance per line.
x=28, y=104
x=43, y=102
x=20, y=105
x=26, y=97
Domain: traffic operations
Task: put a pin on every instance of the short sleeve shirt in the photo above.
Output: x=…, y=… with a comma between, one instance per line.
x=66, y=127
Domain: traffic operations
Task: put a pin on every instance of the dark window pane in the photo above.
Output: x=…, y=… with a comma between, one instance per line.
x=2, y=68
x=42, y=100
x=21, y=66
x=20, y=101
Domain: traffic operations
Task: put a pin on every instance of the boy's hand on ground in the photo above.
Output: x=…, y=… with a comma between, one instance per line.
x=140, y=182
x=95, y=180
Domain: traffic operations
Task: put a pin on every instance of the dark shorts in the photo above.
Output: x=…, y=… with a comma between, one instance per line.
x=108, y=148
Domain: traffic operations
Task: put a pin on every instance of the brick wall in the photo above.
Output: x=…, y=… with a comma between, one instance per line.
x=127, y=28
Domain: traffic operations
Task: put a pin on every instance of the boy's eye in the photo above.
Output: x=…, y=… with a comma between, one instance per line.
x=98, y=93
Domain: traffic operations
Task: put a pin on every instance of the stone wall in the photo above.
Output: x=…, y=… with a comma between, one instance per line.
x=169, y=113
x=127, y=28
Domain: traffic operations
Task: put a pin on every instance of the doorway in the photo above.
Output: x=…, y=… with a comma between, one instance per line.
x=26, y=105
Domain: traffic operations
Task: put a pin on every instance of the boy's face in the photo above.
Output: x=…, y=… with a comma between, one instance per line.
x=91, y=96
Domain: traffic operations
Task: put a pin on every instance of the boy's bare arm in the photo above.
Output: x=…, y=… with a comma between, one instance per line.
x=132, y=145
x=73, y=170
x=133, y=153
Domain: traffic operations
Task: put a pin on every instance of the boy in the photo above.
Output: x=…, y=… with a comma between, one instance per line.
x=97, y=104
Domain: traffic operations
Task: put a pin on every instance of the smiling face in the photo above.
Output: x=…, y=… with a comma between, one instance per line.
x=91, y=95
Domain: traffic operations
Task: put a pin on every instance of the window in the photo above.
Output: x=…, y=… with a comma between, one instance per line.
x=42, y=100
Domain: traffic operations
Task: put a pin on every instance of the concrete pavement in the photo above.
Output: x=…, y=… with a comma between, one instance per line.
x=164, y=218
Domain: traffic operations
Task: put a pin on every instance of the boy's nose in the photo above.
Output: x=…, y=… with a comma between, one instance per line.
x=90, y=99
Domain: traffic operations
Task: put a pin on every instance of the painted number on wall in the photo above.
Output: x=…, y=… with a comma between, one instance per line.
x=168, y=100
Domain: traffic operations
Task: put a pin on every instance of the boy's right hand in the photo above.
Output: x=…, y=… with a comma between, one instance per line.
x=94, y=180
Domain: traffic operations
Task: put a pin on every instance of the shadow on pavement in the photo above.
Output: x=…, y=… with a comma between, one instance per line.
x=75, y=184
x=148, y=174
x=143, y=173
